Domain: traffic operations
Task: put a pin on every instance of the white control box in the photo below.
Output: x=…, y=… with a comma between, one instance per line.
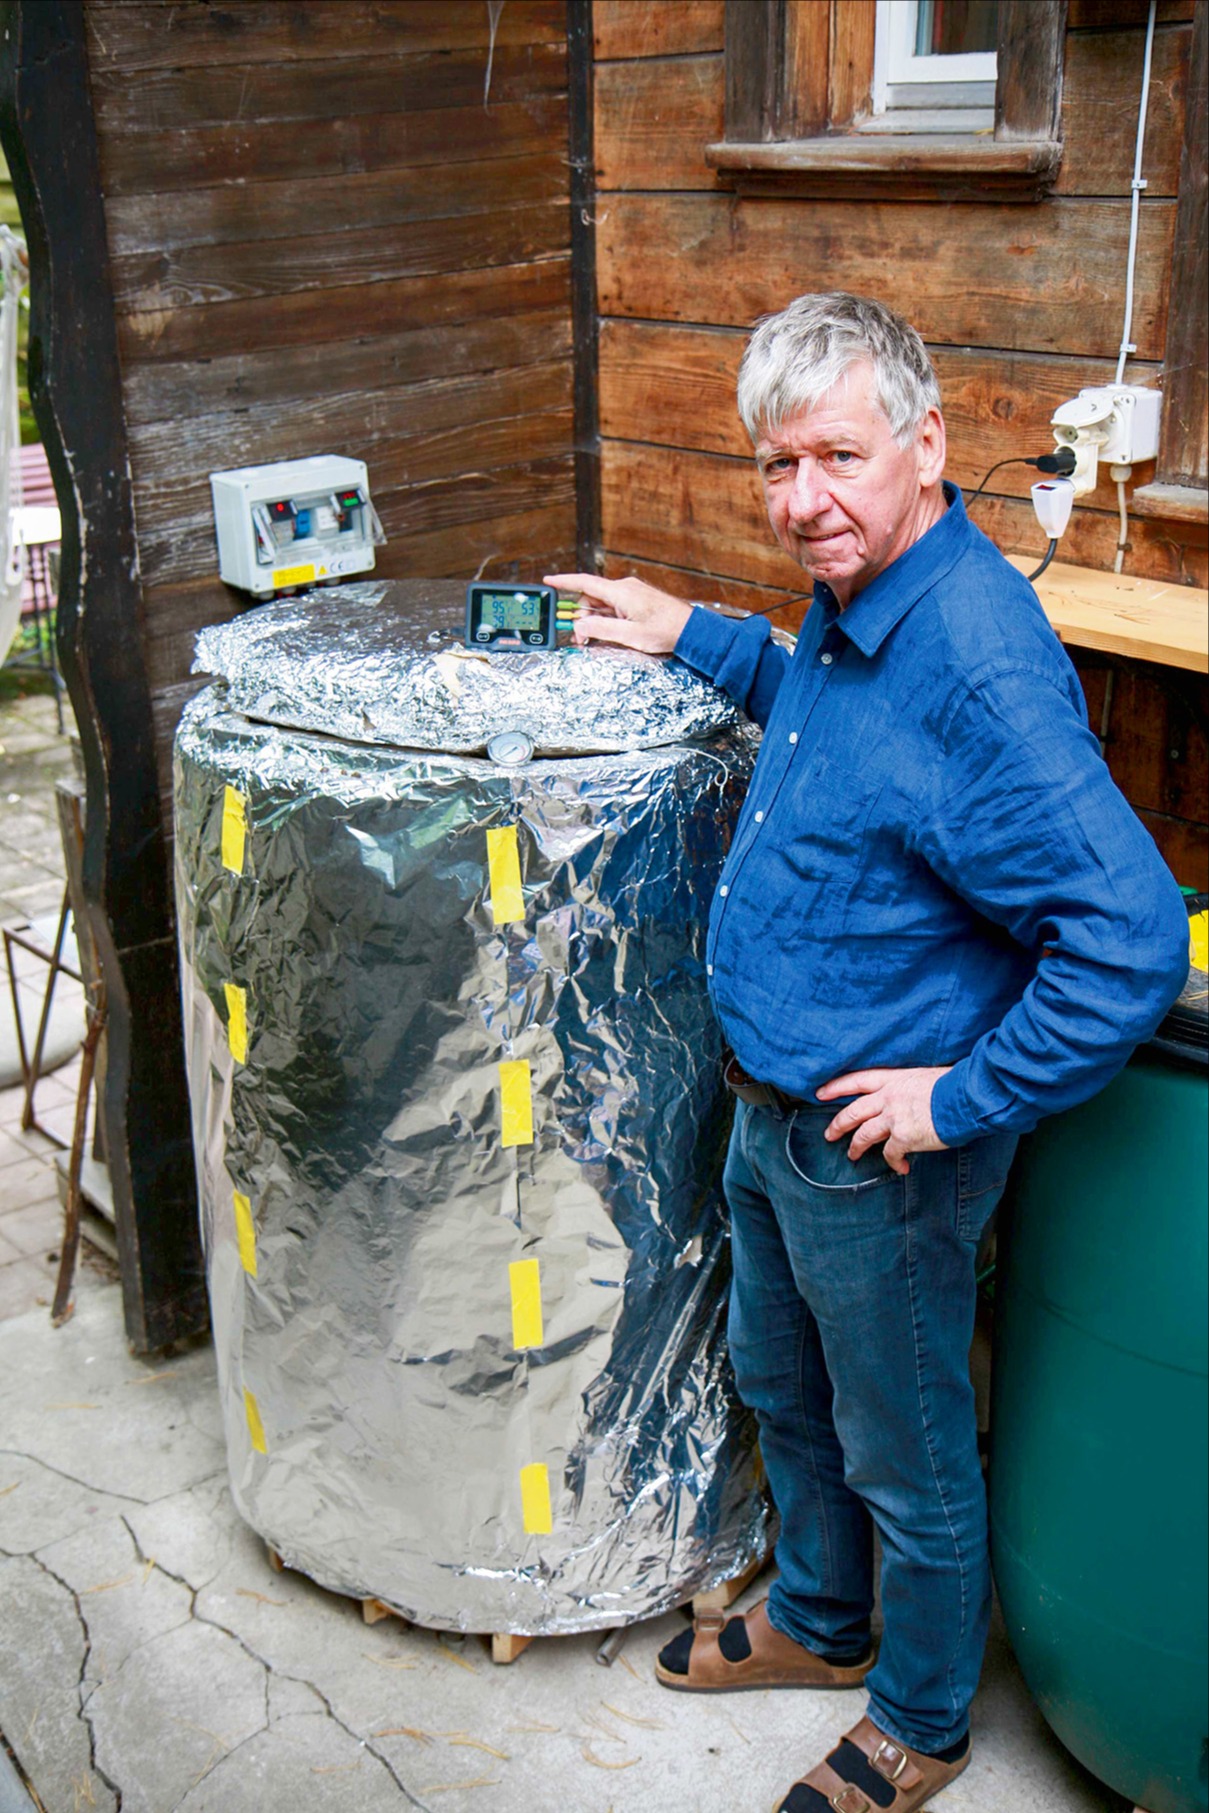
x=294, y=523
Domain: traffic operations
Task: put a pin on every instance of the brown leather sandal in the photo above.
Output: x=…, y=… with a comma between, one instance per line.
x=912, y=1777
x=775, y=1660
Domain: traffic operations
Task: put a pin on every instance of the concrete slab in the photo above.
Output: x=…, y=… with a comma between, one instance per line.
x=135, y=1430
x=304, y=1761
x=26, y=1285
x=42, y=1656
x=214, y=1685
x=13, y=1796
x=41, y=1507
x=192, y=1533
x=124, y=1599
x=178, y=1705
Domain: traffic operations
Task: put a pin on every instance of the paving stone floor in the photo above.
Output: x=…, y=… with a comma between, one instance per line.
x=151, y=1661
x=33, y=757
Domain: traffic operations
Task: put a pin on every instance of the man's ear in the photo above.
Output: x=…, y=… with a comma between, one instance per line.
x=930, y=443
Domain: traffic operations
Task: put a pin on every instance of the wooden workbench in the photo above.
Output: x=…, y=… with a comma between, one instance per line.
x=1122, y=615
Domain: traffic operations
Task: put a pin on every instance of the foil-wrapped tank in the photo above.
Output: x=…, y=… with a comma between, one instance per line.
x=457, y=1111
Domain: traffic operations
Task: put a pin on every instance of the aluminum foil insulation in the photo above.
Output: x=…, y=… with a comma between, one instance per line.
x=459, y=1131
x=344, y=662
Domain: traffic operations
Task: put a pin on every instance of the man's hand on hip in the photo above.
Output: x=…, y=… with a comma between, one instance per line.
x=625, y=611
x=891, y=1105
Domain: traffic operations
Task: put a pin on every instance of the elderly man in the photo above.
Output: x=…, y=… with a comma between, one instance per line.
x=939, y=921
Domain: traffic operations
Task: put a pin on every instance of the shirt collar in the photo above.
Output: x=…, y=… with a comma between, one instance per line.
x=873, y=613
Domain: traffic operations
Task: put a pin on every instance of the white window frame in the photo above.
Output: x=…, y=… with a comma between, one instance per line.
x=926, y=94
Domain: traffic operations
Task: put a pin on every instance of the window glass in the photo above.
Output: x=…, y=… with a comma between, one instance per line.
x=951, y=28
x=934, y=58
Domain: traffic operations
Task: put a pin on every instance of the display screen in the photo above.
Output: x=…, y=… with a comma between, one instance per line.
x=512, y=610
x=498, y=614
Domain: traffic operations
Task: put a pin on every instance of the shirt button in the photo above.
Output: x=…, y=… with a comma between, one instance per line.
x=759, y=818
x=826, y=660
x=724, y=892
x=793, y=736
x=709, y=969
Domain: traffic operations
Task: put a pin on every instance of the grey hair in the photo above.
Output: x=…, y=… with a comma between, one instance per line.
x=792, y=360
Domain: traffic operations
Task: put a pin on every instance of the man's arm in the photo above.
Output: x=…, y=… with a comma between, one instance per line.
x=1029, y=827
x=737, y=654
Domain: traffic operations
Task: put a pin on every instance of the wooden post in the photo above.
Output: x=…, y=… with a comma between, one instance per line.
x=49, y=139
x=584, y=319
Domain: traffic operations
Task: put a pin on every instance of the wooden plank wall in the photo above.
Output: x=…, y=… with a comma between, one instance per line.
x=331, y=231
x=1021, y=306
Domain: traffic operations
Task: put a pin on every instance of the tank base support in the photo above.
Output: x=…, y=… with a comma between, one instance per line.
x=720, y=1598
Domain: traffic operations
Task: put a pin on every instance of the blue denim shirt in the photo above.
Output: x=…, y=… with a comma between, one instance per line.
x=933, y=865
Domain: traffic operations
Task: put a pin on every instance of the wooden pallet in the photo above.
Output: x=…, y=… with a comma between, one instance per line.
x=506, y=1646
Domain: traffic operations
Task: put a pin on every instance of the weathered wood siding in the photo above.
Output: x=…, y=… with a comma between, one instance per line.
x=1021, y=306
x=338, y=227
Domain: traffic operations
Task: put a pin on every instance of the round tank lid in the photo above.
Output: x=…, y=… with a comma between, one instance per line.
x=384, y=663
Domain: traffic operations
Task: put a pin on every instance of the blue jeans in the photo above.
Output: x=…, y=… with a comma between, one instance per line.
x=852, y=1312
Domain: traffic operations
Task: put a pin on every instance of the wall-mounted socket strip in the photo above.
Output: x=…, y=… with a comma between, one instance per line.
x=1114, y=422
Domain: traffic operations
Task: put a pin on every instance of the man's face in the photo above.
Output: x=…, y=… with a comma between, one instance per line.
x=844, y=499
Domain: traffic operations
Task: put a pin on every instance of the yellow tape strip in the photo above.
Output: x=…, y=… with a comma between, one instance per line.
x=246, y=1231
x=255, y=1426
x=524, y=1275
x=516, y=1103
x=1198, y=939
x=234, y=829
x=237, y=1020
x=504, y=865
x=535, y=1500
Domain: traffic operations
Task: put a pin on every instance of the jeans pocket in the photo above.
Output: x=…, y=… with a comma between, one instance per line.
x=824, y=1164
x=982, y=1171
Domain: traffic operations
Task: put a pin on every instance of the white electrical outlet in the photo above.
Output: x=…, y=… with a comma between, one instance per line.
x=1114, y=422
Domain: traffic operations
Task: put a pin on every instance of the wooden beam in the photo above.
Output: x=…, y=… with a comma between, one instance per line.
x=638, y=28
x=584, y=316
x=850, y=73
x=50, y=142
x=1028, y=91
x=804, y=91
x=997, y=275
x=953, y=165
x=755, y=48
x=1168, y=624
x=1184, y=436
x=1175, y=503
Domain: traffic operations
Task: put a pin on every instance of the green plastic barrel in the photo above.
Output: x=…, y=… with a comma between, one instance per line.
x=1100, y=1472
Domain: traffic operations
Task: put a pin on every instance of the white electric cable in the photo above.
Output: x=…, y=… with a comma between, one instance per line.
x=1122, y=542
x=1136, y=187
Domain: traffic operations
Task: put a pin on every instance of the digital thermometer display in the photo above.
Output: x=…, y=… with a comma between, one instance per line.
x=503, y=618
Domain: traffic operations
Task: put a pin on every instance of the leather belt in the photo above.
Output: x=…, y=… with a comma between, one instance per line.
x=760, y=1095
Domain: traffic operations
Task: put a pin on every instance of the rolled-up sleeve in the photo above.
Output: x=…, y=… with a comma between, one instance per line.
x=1026, y=824
x=737, y=654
